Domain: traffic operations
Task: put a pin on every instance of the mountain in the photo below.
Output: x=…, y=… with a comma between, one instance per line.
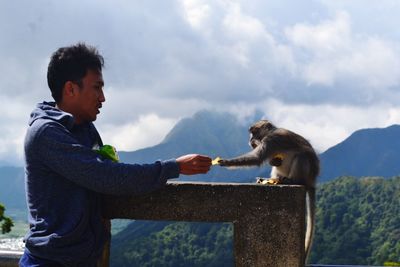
x=206, y=132
x=209, y=133
x=367, y=152
x=12, y=190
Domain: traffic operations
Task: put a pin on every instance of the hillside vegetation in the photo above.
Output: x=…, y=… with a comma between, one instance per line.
x=168, y=244
x=358, y=221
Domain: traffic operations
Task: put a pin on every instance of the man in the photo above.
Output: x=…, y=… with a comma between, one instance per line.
x=65, y=177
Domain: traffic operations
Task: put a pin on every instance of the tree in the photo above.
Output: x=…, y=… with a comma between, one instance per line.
x=5, y=222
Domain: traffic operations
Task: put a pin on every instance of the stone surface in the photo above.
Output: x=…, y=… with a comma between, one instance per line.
x=9, y=258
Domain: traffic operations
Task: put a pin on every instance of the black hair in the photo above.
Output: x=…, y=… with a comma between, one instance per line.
x=71, y=63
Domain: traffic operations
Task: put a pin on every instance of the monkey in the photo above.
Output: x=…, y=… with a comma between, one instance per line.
x=293, y=161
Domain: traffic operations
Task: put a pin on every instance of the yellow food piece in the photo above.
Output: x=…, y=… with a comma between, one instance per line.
x=216, y=161
x=272, y=181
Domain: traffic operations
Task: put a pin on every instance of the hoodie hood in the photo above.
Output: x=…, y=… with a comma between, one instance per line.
x=48, y=111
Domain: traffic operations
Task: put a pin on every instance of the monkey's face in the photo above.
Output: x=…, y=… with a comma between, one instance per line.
x=258, y=131
x=253, y=142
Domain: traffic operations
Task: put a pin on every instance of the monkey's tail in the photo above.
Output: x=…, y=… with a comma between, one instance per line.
x=311, y=203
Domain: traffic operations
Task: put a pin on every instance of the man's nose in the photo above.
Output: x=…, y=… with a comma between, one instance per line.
x=102, y=98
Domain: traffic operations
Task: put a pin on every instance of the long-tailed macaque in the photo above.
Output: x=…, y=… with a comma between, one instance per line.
x=293, y=161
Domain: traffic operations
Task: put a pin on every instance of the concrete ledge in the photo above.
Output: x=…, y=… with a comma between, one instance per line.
x=10, y=258
x=269, y=221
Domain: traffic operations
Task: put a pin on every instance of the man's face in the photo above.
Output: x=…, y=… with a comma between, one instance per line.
x=89, y=97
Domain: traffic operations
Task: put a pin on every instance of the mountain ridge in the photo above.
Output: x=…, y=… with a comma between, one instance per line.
x=377, y=151
x=210, y=133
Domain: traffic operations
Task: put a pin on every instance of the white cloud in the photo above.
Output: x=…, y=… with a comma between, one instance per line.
x=337, y=55
x=123, y=106
x=148, y=130
x=327, y=37
x=196, y=12
x=375, y=64
x=242, y=26
x=14, y=121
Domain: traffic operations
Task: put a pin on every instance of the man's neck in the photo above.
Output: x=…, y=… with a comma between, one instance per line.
x=62, y=107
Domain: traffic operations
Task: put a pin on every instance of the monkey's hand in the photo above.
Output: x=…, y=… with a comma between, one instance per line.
x=221, y=162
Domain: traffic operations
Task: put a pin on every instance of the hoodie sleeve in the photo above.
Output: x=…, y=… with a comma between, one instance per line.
x=61, y=152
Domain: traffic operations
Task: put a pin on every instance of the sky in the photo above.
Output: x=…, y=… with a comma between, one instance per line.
x=323, y=69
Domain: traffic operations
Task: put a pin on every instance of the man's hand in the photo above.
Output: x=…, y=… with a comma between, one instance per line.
x=194, y=164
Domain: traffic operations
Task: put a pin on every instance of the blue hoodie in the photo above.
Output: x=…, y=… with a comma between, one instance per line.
x=65, y=180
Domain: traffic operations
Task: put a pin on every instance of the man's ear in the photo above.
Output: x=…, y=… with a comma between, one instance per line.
x=68, y=89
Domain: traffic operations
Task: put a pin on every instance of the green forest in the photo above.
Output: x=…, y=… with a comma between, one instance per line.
x=357, y=223
x=169, y=244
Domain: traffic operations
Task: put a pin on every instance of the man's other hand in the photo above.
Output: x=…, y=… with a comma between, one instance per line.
x=194, y=164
